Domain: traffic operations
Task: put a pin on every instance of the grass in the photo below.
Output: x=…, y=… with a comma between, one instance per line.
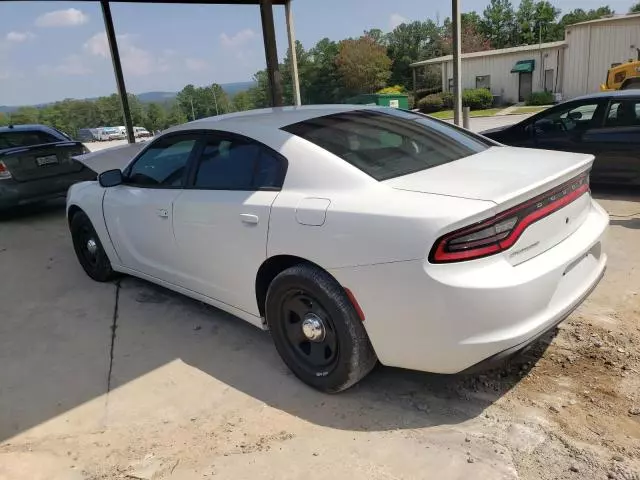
x=531, y=109
x=446, y=114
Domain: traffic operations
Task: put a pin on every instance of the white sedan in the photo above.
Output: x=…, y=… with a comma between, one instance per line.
x=353, y=234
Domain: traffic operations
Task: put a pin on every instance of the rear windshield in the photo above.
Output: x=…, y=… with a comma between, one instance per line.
x=25, y=138
x=389, y=143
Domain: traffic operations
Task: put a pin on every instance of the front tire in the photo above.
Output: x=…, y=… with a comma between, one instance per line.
x=89, y=250
x=316, y=329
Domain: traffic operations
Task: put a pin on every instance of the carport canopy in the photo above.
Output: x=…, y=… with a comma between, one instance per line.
x=523, y=66
x=268, y=34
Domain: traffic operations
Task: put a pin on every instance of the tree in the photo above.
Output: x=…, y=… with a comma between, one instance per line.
x=526, y=22
x=497, y=23
x=323, y=81
x=377, y=36
x=472, y=39
x=635, y=8
x=579, y=15
x=411, y=42
x=156, y=117
x=363, y=65
x=304, y=64
x=259, y=95
x=546, y=15
x=176, y=116
x=24, y=115
x=4, y=119
x=242, y=101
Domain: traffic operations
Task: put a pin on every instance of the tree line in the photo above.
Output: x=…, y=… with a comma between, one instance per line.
x=332, y=71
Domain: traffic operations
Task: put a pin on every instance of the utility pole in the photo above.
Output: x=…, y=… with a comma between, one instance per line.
x=457, y=64
x=215, y=100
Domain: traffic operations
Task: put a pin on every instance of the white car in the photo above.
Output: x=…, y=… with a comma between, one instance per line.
x=353, y=234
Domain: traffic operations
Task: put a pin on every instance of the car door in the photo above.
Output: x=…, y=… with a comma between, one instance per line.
x=616, y=144
x=139, y=213
x=221, y=220
x=563, y=127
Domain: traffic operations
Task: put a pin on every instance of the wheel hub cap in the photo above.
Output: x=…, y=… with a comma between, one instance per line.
x=92, y=247
x=313, y=328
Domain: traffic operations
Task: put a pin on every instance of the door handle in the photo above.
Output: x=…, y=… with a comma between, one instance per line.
x=162, y=212
x=250, y=219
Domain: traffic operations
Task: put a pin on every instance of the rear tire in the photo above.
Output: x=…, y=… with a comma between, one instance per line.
x=332, y=352
x=89, y=250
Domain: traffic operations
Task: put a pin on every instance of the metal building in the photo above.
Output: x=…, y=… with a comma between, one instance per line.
x=574, y=66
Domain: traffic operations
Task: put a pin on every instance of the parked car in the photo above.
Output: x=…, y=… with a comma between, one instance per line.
x=141, y=132
x=352, y=233
x=88, y=135
x=606, y=125
x=36, y=164
x=110, y=133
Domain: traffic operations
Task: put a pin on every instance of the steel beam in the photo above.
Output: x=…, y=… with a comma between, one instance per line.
x=294, y=56
x=271, y=52
x=117, y=68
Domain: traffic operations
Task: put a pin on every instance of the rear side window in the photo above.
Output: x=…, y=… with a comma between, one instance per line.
x=236, y=164
x=25, y=138
x=625, y=113
x=388, y=144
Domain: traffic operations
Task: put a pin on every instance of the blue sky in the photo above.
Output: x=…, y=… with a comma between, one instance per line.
x=50, y=50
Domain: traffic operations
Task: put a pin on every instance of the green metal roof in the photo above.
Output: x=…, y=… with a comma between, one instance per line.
x=523, y=66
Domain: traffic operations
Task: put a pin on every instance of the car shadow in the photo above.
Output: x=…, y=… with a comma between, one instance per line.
x=64, y=341
x=244, y=358
x=632, y=223
x=33, y=211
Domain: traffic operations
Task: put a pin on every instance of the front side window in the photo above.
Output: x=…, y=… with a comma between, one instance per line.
x=387, y=144
x=233, y=163
x=573, y=117
x=163, y=164
x=624, y=113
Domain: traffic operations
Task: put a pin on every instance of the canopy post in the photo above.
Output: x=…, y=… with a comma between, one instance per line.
x=271, y=52
x=117, y=69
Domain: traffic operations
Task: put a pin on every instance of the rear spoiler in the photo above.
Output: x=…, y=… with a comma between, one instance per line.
x=17, y=150
x=111, y=158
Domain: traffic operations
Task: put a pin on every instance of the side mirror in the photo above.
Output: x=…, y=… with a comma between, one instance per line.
x=110, y=178
x=575, y=115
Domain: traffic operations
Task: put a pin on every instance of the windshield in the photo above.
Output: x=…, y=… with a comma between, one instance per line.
x=388, y=143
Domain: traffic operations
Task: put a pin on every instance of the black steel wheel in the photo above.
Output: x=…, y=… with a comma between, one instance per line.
x=89, y=250
x=316, y=329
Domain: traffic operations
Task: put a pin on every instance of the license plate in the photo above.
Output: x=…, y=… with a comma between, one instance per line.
x=47, y=160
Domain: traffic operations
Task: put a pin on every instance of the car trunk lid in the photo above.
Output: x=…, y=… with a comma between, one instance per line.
x=41, y=161
x=503, y=175
x=522, y=183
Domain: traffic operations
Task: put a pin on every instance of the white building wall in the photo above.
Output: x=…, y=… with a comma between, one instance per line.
x=592, y=48
x=503, y=82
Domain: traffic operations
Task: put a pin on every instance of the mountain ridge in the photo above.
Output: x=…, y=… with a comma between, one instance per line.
x=145, y=97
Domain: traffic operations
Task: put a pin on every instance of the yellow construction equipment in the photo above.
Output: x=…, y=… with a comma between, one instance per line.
x=624, y=76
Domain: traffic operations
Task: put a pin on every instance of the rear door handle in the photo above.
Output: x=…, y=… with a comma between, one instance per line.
x=162, y=212
x=250, y=219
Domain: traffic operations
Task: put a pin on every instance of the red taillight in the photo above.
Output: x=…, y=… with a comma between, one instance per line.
x=4, y=171
x=502, y=231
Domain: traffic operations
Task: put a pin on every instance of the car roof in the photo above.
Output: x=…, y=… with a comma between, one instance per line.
x=276, y=117
x=612, y=94
x=27, y=127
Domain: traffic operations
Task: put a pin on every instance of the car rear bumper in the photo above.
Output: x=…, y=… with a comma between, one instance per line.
x=449, y=318
x=13, y=193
